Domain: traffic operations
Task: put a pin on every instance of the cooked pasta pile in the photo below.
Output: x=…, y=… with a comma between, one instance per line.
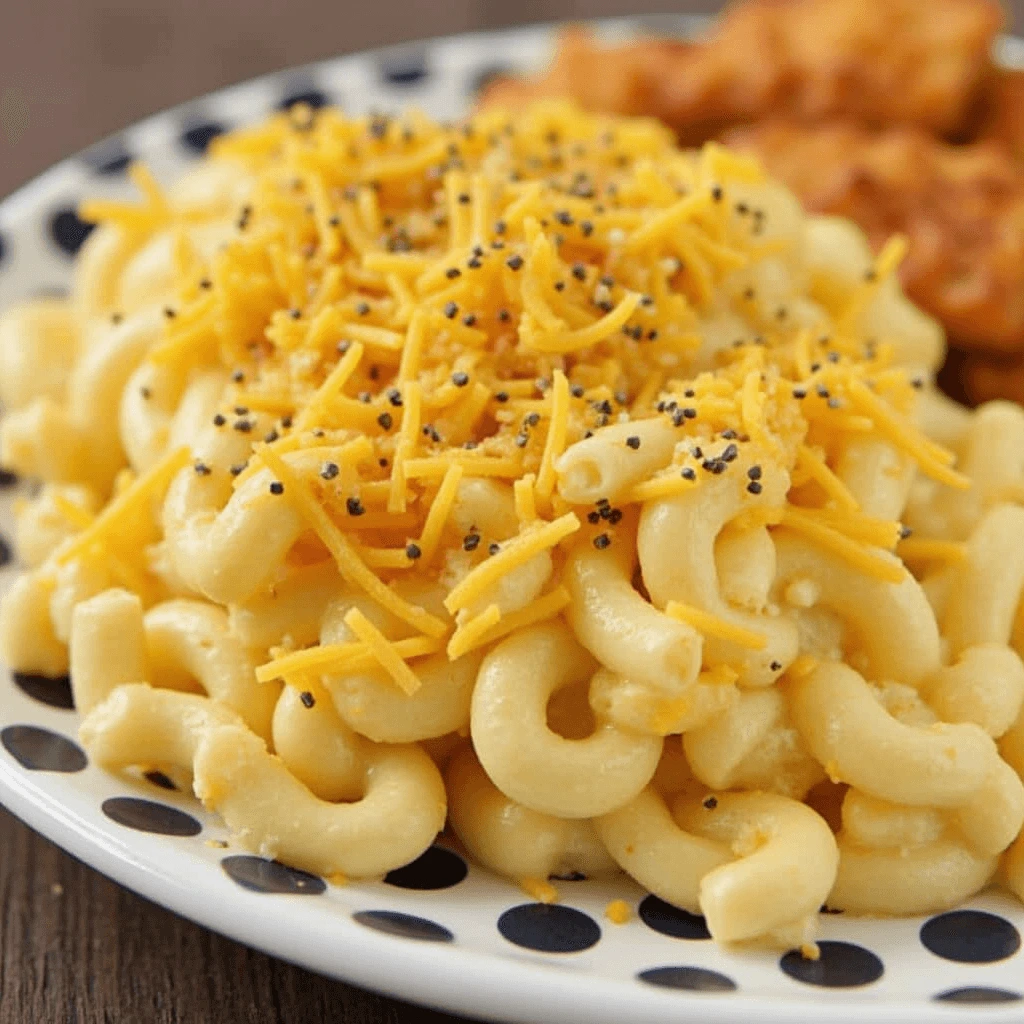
x=532, y=475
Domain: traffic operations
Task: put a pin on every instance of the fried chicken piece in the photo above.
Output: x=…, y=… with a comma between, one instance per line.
x=1003, y=121
x=878, y=63
x=961, y=207
x=985, y=378
x=621, y=79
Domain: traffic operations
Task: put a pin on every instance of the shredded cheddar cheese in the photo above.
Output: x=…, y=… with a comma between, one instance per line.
x=139, y=496
x=713, y=625
x=618, y=912
x=383, y=651
x=924, y=549
x=405, y=307
x=539, y=889
x=470, y=634
x=515, y=552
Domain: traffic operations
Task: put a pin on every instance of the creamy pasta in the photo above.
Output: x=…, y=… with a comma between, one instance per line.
x=531, y=478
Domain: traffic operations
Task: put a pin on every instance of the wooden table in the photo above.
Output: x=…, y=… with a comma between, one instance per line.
x=77, y=948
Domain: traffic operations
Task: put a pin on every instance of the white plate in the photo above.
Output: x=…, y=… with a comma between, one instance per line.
x=472, y=944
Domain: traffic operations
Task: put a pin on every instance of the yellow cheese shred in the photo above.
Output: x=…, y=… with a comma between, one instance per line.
x=383, y=650
x=352, y=569
x=850, y=551
x=513, y=553
x=153, y=482
x=713, y=625
x=327, y=659
x=440, y=509
x=816, y=468
x=555, y=443
x=925, y=549
x=470, y=634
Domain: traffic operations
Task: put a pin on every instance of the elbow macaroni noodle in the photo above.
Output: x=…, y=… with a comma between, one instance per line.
x=605, y=513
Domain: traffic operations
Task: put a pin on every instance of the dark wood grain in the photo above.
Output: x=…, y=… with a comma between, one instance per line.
x=76, y=948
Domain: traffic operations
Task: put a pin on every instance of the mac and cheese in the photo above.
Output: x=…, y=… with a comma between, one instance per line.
x=536, y=477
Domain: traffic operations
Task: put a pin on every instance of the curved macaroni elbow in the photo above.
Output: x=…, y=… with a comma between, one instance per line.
x=986, y=587
x=627, y=634
x=529, y=762
x=318, y=748
x=269, y=810
x=892, y=623
x=39, y=342
x=848, y=730
x=108, y=646
x=28, y=640
x=512, y=839
x=985, y=686
x=372, y=705
x=878, y=475
x=604, y=466
x=902, y=881
x=646, y=842
x=752, y=745
x=190, y=640
x=213, y=530
x=676, y=543
x=786, y=863
x=139, y=726
x=81, y=443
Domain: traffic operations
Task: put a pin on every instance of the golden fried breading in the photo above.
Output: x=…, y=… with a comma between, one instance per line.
x=985, y=378
x=1004, y=113
x=922, y=62
x=621, y=79
x=962, y=208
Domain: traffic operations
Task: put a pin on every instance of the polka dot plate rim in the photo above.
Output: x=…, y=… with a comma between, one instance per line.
x=441, y=932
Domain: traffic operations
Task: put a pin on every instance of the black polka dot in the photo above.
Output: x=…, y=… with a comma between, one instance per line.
x=40, y=750
x=69, y=231
x=841, y=965
x=199, y=135
x=572, y=876
x=970, y=937
x=406, y=69
x=109, y=158
x=7, y=478
x=55, y=691
x=148, y=816
x=258, y=874
x=436, y=868
x=693, y=979
x=159, y=779
x=306, y=93
x=979, y=994
x=549, y=928
x=669, y=920
x=406, y=926
x=488, y=74
x=5, y=551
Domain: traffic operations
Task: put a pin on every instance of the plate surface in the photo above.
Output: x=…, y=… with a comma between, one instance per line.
x=440, y=932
